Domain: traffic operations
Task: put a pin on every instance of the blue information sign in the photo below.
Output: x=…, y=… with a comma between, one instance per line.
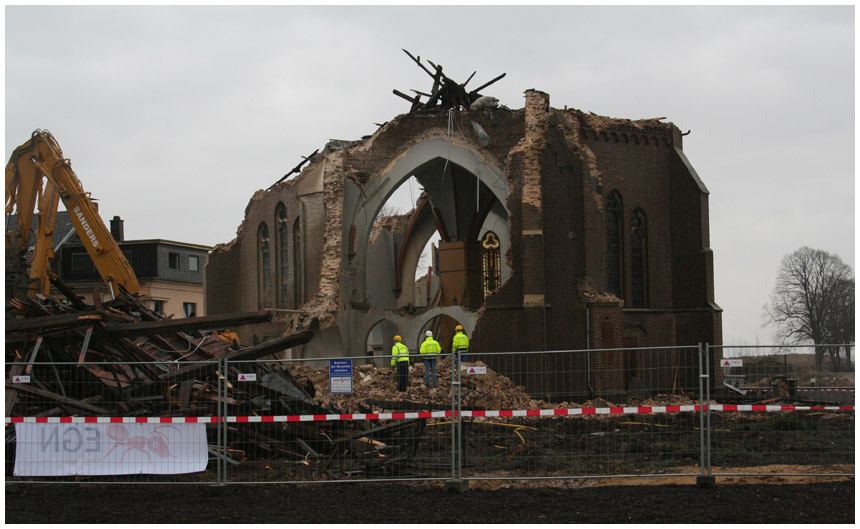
x=340, y=376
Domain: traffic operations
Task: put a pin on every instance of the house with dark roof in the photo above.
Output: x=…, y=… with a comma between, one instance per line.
x=170, y=273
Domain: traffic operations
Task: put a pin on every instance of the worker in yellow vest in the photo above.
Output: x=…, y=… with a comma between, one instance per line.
x=460, y=344
x=400, y=360
x=429, y=349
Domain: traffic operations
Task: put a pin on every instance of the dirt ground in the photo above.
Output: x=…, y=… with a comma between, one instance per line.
x=759, y=500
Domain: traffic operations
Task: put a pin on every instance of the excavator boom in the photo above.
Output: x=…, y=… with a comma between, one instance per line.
x=37, y=172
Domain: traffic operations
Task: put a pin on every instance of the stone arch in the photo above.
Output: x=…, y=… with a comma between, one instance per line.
x=379, y=339
x=421, y=160
x=442, y=326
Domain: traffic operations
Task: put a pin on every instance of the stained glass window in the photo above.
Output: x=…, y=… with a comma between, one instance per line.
x=491, y=266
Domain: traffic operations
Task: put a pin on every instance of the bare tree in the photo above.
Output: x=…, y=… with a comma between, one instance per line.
x=840, y=324
x=813, y=290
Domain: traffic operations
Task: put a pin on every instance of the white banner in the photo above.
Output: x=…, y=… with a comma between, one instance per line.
x=101, y=449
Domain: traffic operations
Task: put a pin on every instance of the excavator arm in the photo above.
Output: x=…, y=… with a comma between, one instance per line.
x=37, y=172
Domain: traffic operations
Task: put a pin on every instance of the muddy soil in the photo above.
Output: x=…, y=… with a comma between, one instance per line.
x=406, y=502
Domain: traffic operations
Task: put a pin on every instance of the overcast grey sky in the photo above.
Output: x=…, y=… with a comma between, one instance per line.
x=174, y=117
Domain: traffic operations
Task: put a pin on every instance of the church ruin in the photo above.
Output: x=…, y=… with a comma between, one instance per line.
x=549, y=229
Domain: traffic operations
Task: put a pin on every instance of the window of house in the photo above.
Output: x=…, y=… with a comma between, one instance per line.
x=158, y=306
x=639, y=258
x=491, y=265
x=614, y=245
x=173, y=260
x=189, y=309
x=194, y=263
x=81, y=263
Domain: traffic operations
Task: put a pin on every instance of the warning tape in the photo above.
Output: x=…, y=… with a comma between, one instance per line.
x=429, y=414
x=769, y=390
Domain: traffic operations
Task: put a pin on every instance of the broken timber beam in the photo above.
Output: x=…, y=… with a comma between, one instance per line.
x=295, y=169
x=51, y=322
x=187, y=324
x=485, y=85
x=59, y=398
x=250, y=353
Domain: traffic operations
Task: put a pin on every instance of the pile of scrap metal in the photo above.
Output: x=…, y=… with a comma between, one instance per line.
x=121, y=359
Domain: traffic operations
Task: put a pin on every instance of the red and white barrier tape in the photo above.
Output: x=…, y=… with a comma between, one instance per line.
x=428, y=414
x=769, y=390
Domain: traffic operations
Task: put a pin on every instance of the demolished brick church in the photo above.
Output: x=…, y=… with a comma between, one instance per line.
x=550, y=229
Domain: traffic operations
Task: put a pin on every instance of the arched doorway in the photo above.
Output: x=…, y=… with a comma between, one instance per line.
x=379, y=341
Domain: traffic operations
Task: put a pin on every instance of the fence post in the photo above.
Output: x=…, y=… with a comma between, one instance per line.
x=705, y=479
x=457, y=483
x=222, y=418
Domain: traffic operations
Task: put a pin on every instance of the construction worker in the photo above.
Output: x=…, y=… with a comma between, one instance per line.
x=429, y=349
x=400, y=358
x=460, y=344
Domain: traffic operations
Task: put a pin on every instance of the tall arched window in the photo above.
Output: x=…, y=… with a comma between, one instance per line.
x=264, y=272
x=491, y=264
x=298, y=268
x=283, y=269
x=615, y=244
x=639, y=258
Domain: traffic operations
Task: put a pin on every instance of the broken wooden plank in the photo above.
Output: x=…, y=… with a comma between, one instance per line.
x=12, y=392
x=188, y=324
x=488, y=83
x=58, y=398
x=249, y=353
x=52, y=322
x=295, y=169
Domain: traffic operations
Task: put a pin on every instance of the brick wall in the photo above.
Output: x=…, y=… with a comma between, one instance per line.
x=221, y=277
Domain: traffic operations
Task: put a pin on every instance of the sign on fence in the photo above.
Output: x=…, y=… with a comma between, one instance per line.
x=340, y=376
x=99, y=449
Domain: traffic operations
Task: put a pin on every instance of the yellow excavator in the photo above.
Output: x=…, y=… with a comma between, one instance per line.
x=39, y=175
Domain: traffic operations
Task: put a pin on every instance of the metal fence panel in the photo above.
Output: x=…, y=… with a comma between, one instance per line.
x=782, y=410
x=527, y=415
x=278, y=432
x=607, y=413
x=108, y=422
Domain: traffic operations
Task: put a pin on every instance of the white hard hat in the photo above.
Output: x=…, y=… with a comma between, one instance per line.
x=429, y=334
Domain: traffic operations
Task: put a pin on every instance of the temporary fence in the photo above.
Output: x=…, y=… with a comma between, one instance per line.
x=791, y=414
x=699, y=411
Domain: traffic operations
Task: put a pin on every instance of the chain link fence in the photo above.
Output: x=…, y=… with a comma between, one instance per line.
x=699, y=411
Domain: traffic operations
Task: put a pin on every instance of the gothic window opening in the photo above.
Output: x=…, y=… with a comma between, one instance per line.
x=638, y=258
x=283, y=269
x=298, y=272
x=491, y=265
x=264, y=272
x=614, y=245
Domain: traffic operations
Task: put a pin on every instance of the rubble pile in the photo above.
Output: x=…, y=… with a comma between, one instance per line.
x=120, y=358
x=375, y=389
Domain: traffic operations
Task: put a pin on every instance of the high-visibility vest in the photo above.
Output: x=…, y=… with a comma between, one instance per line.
x=460, y=342
x=430, y=346
x=399, y=353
